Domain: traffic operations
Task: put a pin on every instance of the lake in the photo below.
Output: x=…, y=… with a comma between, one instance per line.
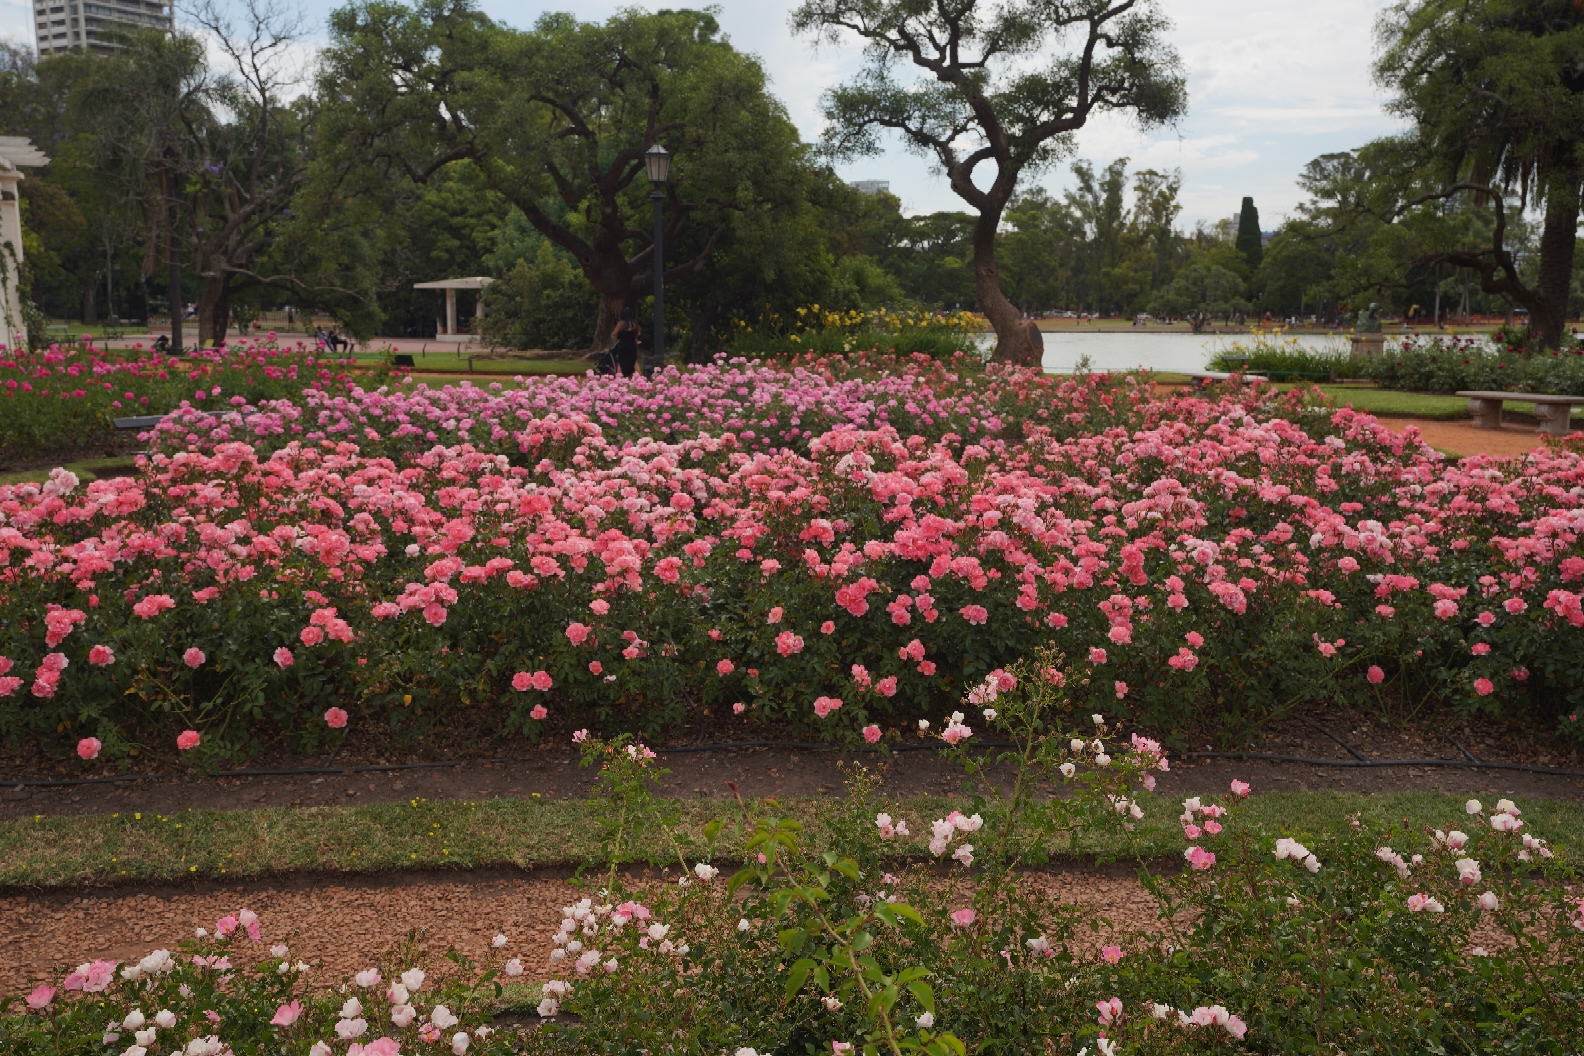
x=1151, y=351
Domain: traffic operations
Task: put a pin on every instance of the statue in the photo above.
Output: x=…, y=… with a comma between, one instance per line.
x=1369, y=320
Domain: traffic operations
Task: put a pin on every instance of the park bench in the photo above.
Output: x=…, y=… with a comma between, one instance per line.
x=1554, y=413
x=141, y=421
x=1217, y=375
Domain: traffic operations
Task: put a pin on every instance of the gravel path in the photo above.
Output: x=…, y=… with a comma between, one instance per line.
x=350, y=923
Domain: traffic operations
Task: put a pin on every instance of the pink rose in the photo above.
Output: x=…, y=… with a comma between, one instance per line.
x=188, y=740
x=194, y=657
x=101, y=656
x=1375, y=675
x=88, y=748
x=522, y=682
x=1484, y=686
x=577, y=633
x=724, y=668
x=336, y=719
x=539, y=713
x=963, y=918
x=40, y=998
x=283, y=657
x=287, y=1014
x=311, y=636
x=871, y=733
x=1111, y=954
x=542, y=681
x=1240, y=788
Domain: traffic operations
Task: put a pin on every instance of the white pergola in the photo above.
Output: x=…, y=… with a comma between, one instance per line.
x=450, y=286
x=15, y=152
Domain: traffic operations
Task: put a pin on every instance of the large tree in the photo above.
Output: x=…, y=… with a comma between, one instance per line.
x=565, y=113
x=1495, y=89
x=206, y=137
x=1001, y=87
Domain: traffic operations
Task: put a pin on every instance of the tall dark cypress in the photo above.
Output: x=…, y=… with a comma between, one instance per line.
x=1248, y=236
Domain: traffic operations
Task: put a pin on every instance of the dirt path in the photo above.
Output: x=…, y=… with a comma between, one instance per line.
x=550, y=770
x=1464, y=438
x=348, y=924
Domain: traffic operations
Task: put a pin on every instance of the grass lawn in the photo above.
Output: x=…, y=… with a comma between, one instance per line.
x=86, y=470
x=419, y=834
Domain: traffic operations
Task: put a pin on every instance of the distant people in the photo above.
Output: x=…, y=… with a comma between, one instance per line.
x=626, y=347
x=162, y=344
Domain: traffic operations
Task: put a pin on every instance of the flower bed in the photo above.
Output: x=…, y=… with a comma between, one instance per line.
x=1210, y=564
x=763, y=406
x=777, y=940
x=63, y=399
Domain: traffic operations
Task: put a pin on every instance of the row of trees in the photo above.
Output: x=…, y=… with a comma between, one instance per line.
x=431, y=141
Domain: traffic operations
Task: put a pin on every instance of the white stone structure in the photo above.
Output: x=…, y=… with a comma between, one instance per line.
x=15, y=152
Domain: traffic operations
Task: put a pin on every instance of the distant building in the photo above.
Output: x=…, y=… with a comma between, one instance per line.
x=65, y=25
x=872, y=186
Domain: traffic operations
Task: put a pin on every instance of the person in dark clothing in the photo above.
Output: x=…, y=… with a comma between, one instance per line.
x=626, y=347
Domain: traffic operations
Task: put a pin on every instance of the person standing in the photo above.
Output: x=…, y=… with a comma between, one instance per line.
x=626, y=347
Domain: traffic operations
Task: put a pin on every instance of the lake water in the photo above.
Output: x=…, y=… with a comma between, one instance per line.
x=1151, y=351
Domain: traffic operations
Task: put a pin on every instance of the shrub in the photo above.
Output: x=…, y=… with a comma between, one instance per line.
x=63, y=399
x=1218, y=565
x=1285, y=360
x=820, y=333
x=1451, y=364
x=881, y=932
x=544, y=304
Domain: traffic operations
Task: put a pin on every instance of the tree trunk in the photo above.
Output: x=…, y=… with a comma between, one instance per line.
x=214, y=311
x=1558, y=239
x=610, y=306
x=1012, y=339
x=90, y=302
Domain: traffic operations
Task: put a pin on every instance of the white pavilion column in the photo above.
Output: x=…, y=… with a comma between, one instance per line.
x=450, y=311
x=12, y=329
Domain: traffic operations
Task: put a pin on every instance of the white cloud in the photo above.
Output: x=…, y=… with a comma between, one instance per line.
x=1271, y=85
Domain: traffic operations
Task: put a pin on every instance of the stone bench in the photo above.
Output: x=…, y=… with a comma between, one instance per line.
x=1554, y=413
x=1218, y=375
x=140, y=422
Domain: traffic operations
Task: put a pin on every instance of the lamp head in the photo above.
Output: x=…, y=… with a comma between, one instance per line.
x=657, y=160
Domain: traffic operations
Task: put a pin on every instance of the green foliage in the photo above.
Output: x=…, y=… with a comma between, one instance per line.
x=546, y=304
x=1284, y=360
x=1453, y=364
x=1199, y=292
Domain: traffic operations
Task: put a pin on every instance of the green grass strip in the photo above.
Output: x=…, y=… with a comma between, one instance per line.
x=47, y=852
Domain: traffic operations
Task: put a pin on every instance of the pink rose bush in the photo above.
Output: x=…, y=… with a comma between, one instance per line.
x=63, y=397
x=1189, y=543
x=221, y=994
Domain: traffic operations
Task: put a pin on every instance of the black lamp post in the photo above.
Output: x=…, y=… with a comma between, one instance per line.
x=657, y=160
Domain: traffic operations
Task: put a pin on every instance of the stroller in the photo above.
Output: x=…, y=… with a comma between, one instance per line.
x=605, y=363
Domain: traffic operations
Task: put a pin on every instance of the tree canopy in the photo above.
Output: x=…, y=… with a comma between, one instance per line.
x=1003, y=87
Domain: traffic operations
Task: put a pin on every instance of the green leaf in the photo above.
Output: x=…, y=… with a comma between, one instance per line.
x=923, y=995
x=797, y=976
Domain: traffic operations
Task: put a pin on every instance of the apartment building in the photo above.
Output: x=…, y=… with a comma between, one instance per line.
x=59, y=25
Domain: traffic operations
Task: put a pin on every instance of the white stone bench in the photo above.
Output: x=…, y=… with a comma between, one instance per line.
x=1218, y=375
x=1554, y=413
x=139, y=422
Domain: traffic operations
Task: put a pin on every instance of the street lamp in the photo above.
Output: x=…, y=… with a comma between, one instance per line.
x=657, y=160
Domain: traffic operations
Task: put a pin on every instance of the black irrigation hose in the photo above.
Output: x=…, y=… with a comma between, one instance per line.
x=1452, y=763
x=812, y=747
x=274, y=772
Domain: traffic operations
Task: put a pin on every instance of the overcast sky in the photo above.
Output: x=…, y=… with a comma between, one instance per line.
x=1271, y=84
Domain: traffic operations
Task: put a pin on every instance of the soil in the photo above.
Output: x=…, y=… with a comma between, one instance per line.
x=551, y=770
x=44, y=932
